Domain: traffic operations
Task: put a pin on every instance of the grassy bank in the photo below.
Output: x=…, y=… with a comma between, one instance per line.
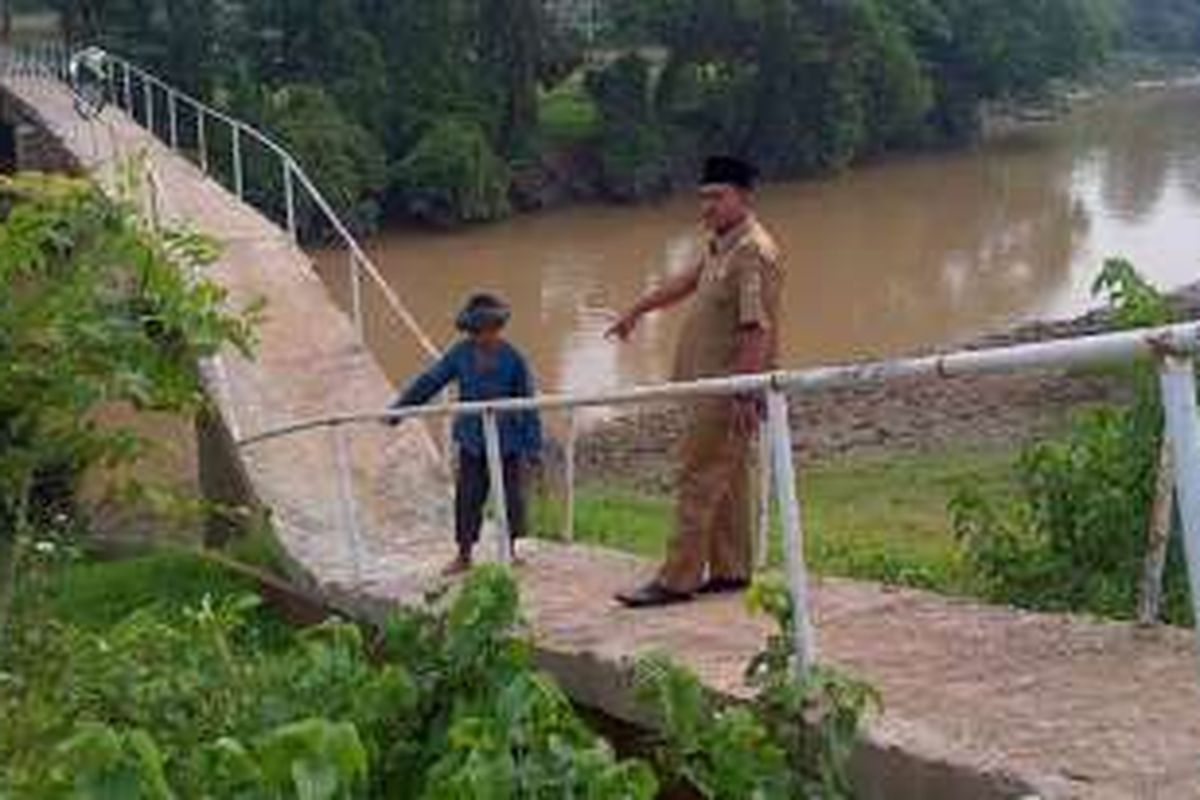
x=880, y=519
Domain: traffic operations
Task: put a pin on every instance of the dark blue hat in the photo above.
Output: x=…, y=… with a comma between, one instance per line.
x=482, y=310
x=729, y=170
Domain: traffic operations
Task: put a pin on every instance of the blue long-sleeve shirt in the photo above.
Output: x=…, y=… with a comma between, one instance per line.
x=496, y=375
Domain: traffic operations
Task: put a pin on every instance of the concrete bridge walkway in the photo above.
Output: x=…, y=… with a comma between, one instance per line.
x=981, y=702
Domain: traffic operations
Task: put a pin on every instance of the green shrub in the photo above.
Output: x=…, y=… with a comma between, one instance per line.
x=568, y=115
x=171, y=702
x=1075, y=537
x=453, y=175
x=793, y=739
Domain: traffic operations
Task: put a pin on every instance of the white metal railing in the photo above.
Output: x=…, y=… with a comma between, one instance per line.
x=123, y=82
x=1175, y=346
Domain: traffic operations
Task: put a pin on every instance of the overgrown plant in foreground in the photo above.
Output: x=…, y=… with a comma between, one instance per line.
x=446, y=705
x=97, y=309
x=1075, y=537
x=792, y=740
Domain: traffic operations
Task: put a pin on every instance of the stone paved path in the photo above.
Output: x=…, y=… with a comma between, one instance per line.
x=980, y=701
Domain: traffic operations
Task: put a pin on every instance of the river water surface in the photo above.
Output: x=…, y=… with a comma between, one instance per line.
x=882, y=260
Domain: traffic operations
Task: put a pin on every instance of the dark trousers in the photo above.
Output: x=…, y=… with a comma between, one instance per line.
x=471, y=494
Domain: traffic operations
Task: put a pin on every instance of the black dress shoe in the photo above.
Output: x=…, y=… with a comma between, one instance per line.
x=724, y=586
x=652, y=595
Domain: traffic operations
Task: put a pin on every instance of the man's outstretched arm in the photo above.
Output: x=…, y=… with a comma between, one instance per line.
x=667, y=294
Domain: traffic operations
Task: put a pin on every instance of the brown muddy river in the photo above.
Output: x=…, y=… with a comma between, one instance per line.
x=884, y=259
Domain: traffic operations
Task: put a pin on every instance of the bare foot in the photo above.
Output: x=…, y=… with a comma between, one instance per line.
x=457, y=567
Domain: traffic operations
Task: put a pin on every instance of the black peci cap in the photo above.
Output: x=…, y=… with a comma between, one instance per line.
x=729, y=170
x=482, y=310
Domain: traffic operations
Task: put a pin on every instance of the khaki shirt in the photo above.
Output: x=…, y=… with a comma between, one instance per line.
x=741, y=280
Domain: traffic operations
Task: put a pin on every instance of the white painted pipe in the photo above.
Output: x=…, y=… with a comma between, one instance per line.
x=803, y=636
x=148, y=95
x=201, y=139
x=762, y=547
x=347, y=501
x=356, y=298
x=1178, y=382
x=1083, y=351
x=127, y=89
x=289, y=199
x=495, y=459
x=236, y=146
x=569, y=477
x=172, y=119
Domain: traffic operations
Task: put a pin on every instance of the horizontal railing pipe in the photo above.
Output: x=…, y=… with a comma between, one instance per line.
x=1074, y=352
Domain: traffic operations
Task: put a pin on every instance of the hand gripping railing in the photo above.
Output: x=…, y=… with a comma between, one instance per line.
x=1175, y=347
x=124, y=83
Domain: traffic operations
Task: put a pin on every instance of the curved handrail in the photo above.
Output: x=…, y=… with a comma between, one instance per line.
x=292, y=171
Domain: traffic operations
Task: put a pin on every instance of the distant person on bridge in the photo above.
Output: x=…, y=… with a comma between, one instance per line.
x=486, y=367
x=735, y=286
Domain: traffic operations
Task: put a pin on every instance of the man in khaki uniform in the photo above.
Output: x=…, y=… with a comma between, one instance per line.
x=732, y=328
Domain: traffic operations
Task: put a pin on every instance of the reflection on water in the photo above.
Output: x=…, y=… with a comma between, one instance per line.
x=885, y=259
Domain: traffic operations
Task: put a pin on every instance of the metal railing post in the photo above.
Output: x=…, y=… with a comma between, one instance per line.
x=1178, y=381
x=172, y=119
x=346, y=500
x=491, y=436
x=127, y=88
x=236, y=145
x=569, y=469
x=356, y=299
x=201, y=139
x=1158, y=537
x=804, y=638
x=289, y=198
x=762, y=545
x=148, y=91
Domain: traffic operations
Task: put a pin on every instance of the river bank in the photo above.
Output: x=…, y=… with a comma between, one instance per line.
x=903, y=417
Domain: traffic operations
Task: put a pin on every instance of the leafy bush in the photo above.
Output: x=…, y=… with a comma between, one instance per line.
x=452, y=175
x=792, y=740
x=97, y=309
x=162, y=704
x=1075, y=538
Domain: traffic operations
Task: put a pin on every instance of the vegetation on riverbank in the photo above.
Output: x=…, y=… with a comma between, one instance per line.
x=539, y=114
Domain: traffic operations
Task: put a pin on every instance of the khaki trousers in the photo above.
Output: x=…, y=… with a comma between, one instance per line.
x=712, y=511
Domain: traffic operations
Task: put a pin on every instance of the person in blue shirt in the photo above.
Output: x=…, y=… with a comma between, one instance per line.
x=485, y=367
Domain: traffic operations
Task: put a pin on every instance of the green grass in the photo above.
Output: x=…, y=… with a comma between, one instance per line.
x=567, y=115
x=95, y=595
x=882, y=520
x=98, y=594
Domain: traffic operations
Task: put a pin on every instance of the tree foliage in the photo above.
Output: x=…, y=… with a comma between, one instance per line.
x=1168, y=26
x=801, y=86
